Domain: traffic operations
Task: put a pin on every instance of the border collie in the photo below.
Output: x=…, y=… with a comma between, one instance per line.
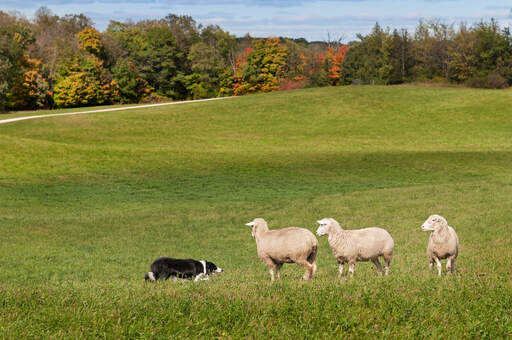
x=165, y=267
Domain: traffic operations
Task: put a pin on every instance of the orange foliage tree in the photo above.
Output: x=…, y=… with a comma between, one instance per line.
x=30, y=90
x=241, y=61
x=332, y=61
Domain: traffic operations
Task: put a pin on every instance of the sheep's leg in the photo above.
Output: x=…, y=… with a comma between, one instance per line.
x=387, y=261
x=271, y=271
x=378, y=264
x=309, y=269
x=340, y=269
x=450, y=265
x=351, y=268
x=439, y=266
x=270, y=265
x=431, y=265
x=314, y=268
x=278, y=270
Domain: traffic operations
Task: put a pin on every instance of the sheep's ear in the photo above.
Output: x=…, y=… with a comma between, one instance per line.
x=250, y=224
x=323, y=221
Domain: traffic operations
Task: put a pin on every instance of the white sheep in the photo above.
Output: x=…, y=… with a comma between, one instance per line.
x=357, y=245
x=286, y=245
x=442, y=244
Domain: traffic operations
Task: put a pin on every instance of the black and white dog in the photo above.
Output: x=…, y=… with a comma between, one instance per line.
x=165, y=267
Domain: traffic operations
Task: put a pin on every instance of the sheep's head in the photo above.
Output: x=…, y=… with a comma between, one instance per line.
x=256, y=224
x=433, y=223
x=325, y=226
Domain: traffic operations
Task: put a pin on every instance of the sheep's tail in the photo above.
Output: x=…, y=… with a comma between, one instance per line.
x=312, y=255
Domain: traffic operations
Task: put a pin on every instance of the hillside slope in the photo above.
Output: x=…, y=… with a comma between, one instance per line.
x=89, y=201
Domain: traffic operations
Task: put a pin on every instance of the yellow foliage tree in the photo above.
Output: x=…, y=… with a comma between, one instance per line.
x=86, y=81
x=263, y=68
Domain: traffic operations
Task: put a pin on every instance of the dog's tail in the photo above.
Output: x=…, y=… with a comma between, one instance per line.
x=150, y=277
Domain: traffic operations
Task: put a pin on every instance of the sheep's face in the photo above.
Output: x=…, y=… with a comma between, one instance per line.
x=433, y=223
x=254, y=224
x=323, y=229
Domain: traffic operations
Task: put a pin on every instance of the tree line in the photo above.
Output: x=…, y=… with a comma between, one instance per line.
x=54, y=62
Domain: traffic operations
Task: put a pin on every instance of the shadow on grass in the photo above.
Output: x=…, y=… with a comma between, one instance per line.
x=268, y=176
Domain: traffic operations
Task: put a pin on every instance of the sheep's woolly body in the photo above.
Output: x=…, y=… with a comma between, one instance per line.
x=360, y=245
x=287, y=245
x=350, y=246
x=442, y=244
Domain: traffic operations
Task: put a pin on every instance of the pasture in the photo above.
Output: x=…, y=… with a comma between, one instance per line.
x=89, y=201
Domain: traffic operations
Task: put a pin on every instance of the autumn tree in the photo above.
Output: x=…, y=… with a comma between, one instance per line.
x=15, y=37
x=85, y=81
x=331, y=63
x=21, y=84
x=299, y=65
x=462, y=62
x=30, y=90
x=263, y=69
x=55, y=41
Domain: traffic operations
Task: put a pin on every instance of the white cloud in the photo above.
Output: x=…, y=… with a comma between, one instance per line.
x=311, y=19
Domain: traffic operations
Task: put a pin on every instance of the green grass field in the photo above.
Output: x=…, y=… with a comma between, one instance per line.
x=89, y=201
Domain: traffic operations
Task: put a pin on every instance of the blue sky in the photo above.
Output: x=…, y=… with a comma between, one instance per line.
x=313, y=19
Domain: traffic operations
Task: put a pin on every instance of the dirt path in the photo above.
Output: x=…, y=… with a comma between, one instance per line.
x=10, y=120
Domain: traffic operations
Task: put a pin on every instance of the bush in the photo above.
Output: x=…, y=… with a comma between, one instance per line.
x=491, y=81
x=155, y=98
x=496, y=81
x=293, y=84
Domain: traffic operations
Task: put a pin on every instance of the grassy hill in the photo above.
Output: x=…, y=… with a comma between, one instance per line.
x=89, y=201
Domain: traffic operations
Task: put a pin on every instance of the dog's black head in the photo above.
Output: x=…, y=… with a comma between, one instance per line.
x=211, y=268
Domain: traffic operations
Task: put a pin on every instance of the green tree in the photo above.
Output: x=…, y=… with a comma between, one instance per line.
x=401, y=57
x=151, y=47
x=16, y=36
x=493, y=50
x=368, y=61
x=432, y=41
x=132, y=88
x=212, y=63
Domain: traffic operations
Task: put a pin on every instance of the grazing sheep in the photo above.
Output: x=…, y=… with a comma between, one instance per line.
x=357, y=245
x=286, y=245
x=442, y=244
